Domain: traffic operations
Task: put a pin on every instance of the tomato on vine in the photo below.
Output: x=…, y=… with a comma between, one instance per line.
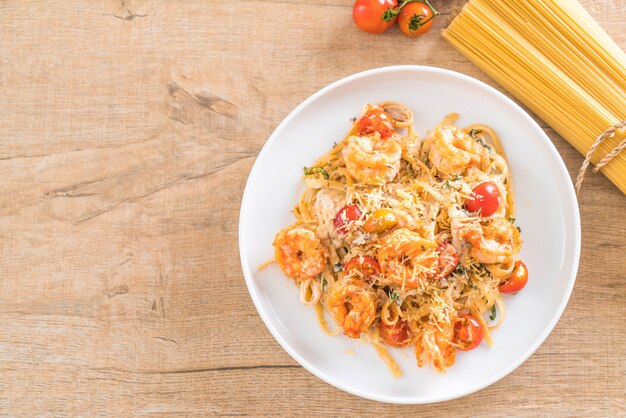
x=415, y=17
x=368, y=15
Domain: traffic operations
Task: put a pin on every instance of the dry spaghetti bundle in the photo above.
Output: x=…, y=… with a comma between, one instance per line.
x=555, y=58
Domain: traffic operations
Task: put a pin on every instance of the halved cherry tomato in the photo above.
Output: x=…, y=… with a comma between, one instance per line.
x=346, y=216
x=486, y=199
x=367, y=15
x=517, y=280
x=467, y=332
x=397, y=335
x=365, y=265
x=448, y=259
x=380, y=220
x=376, y=120
x=415, y=19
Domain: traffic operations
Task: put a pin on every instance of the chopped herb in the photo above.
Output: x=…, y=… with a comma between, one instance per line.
x=324, y=284
x=348, y=298
x=312, y=170
x=473, y=134
x=459, y=269
x=493, y=313
x=505, y=181
x=394, y=296
x=512, y=220
x=353, y=119
x=337, y=267
x=519, y=229
x=335, y=145
x=457, y=178
x=484, y=144
x=432, y=219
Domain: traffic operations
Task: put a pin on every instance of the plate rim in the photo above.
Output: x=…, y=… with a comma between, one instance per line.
x=571, y=202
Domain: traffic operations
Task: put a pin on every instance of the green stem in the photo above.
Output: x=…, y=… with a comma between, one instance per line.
x=420, y=23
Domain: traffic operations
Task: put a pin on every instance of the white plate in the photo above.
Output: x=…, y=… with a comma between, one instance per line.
x=547, y=213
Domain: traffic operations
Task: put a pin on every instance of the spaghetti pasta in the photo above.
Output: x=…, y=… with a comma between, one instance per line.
x=555, y=58
x=389, y=241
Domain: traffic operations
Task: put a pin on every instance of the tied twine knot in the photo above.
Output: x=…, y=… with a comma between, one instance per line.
x=606, y=159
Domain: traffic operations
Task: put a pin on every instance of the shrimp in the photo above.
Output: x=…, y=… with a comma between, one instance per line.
x=407, y=259
x=435, y=344
x=299, y=252
x=452, y=151
x=352, y=306
x=494, y=241
x=372, y=160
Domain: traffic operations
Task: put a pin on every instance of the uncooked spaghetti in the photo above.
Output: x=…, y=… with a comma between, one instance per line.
x=555, y=58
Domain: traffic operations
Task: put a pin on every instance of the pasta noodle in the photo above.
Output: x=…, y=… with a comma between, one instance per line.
x=553, y=57
x=388, y=241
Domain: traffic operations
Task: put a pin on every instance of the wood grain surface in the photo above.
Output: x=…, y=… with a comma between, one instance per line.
x=127, y=131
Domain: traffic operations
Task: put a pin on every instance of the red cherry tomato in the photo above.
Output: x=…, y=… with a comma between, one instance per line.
x=346, y=216
x=397, y=335
x=517, y=280
x=467, y=332
x=375, y=120
x=448, y=259
x=364, y=266
x=415, y=19
x=368, y=15
x=486, y=199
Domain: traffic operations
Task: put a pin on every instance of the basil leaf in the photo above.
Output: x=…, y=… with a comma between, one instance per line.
x=312, y=170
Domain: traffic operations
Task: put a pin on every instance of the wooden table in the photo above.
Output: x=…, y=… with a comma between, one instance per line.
x=127, y=131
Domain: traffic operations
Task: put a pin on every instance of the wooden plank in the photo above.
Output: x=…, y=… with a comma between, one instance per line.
x=127, y=130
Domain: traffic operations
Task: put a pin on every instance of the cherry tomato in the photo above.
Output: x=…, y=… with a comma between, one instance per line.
x=486, y=199
x=368, y=15
x=376, y=120
x=397, y=335
x=367, y=266
x=415, y=19
x=467, y=332
x=448, y=259
x=380, y=220
x=346, y=216
x=517, y=280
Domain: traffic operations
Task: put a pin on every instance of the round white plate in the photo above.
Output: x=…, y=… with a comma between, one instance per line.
x=547, y=213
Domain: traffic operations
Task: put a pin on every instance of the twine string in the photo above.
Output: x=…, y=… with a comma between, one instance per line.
x=606, y=159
